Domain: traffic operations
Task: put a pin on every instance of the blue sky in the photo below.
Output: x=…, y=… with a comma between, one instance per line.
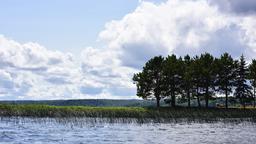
x=60, y=24
x=60, y=49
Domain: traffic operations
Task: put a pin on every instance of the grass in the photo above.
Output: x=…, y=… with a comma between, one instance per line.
x=139, y=113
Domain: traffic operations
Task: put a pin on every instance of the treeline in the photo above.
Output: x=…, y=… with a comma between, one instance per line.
x=201, y=78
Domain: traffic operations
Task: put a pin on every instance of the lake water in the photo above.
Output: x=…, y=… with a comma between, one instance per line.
x=37, y=131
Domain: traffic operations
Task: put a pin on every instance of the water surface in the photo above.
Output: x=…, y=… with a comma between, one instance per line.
x=52, y=131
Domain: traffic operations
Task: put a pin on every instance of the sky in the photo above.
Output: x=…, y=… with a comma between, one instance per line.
x=80, y=49
x=63, y=25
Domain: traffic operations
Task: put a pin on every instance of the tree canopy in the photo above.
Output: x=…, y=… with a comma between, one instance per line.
x=150, y=81
x=202, y=77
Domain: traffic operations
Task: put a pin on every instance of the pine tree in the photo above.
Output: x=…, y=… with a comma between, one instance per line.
x=143, y=85
x=196, y=79
x=225, y=75
x=243, y=90
x=252, y=77
x=172, y=77
x=208, y=75
x=150, y=81
x=187, y=83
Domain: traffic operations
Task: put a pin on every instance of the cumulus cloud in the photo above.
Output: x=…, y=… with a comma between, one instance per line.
x=30, y=71
x=243, y=7
x=104, y=74
x=175, y=26
x=6, y=80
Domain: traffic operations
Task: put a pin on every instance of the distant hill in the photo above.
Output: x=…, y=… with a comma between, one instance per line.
x=88, y=102
x=116, y=103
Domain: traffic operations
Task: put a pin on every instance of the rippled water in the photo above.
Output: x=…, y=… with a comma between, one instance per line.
x=13, y=130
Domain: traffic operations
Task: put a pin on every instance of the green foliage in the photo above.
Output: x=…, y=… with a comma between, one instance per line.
x=187, y=78
x=143, y=85
x=172, y=77
x=150, y=81
x=208, y=75
x=225, y=75
x=252, y=73
x=243, y=89
x=202, y=76
x=124, y=113
x=252, y=77
x=196, y=70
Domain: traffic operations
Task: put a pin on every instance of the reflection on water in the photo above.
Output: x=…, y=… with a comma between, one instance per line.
x=46, y=130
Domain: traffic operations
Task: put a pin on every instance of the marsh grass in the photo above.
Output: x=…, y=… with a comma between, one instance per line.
x=128, y=114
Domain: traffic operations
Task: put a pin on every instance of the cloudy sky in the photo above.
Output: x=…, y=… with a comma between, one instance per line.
x=76, y=49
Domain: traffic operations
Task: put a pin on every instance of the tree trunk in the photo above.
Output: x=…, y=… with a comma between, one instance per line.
x=158, y=101
x=188, y=96
x=198, y=99
x=243, y=101
x=253, y=97
x=226, y=91
x=173, y=100
x=207, y=97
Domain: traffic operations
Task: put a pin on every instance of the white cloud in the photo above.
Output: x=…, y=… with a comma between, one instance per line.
x=104, y=74
x=30, y=71
x=175, y=26
x=160, y=29
x=248, y=25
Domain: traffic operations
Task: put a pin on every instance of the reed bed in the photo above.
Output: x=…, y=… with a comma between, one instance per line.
x=137, y=114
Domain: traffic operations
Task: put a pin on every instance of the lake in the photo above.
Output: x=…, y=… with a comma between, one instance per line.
x=79, y=131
